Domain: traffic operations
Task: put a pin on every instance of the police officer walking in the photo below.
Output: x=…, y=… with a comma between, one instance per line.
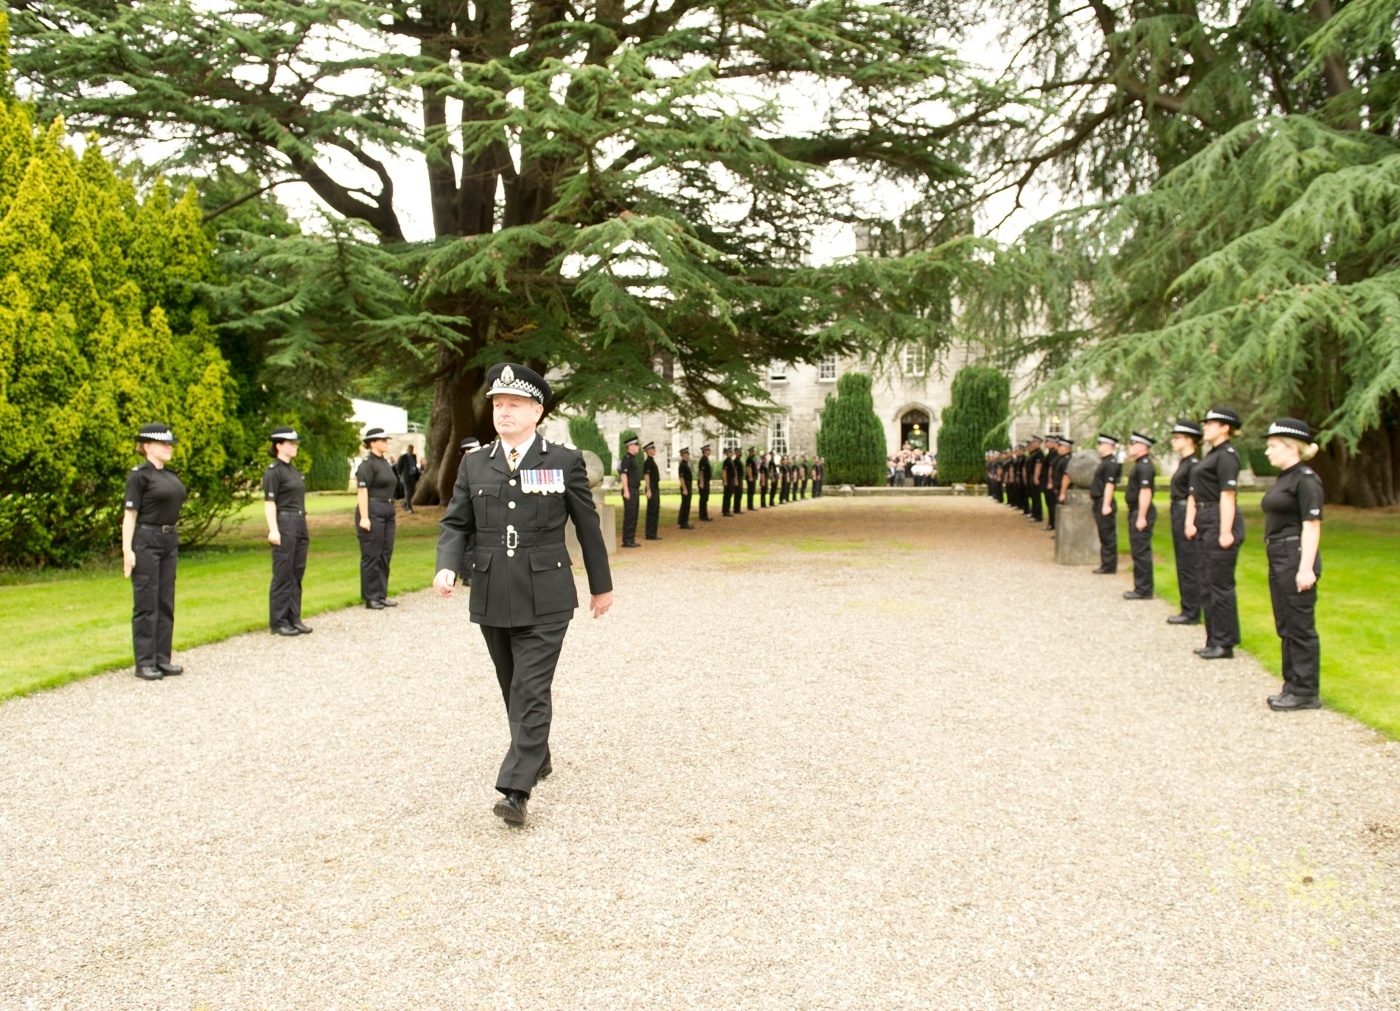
x=1106, y=477
x=151, y=551
x=651, y=482
x=1212, y=517
x=1292, y=534
x=631, y=492
x=687, y=485
x=408, y=473
x=1141, y=513
x=375, y=481
x=1186, y=439
x=707, y=474
x=517, y=499
x=284, y=507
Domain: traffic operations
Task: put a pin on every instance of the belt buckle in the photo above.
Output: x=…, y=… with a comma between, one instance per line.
x=512, y=538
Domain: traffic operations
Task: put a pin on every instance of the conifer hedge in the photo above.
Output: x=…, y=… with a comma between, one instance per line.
x=981, y=402
x=851, y=438
x=585, y=434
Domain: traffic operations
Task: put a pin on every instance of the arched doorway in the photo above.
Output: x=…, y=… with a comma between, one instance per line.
x=913, y=429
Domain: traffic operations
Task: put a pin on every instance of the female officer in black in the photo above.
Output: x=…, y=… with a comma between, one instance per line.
x=374, y=519
x=1106, y=476
x=150, y=551
x=1292, y=531
x=1186, y=439
x=284, y=505
x=1213, y=520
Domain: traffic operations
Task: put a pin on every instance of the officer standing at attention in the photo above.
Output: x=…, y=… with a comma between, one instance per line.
x=784, y=480
x=517, y=498
x=631, y=491
x=651, y=481
x=687, y=484
x=1292, y=533
x=707, y=474
x=818, y=476
x=763, y=480
x=727, y=478
x=468, y=446
x=1186, y=439
x=1106, y=477
x=1141, y=513
x=1059, y=472
x=751, y=474
x=284, y=507
x=375, y=481
x=1213, y=519
x=1035, y=480
x=738, y=481
x=772, y=469
x=151, y=551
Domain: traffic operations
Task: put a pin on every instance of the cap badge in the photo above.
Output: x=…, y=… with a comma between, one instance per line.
x=507, y=375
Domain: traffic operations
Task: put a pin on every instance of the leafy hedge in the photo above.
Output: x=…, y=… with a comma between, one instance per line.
x=851, y=438
x=981, y=401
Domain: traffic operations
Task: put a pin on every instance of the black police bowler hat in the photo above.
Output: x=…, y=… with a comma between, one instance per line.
x=373, y=433
x=517, y=381
x=649, y=445
x=1112, y=441
x=470, y=442
x=1146, y=440
x=284, y=433
x=1185, y=426
x=686, y=451
x=1225, y=415
x=1291, y=428
x=156, y=433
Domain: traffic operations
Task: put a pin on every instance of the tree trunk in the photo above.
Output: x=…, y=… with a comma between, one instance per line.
x=1366, y=478
x=460, y=409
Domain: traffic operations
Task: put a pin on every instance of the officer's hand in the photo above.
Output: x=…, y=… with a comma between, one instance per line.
x=1307, y=579
x=600, y=603
x=1141, y=525
x=1062, y=500
x=275, y=537
x=1107, y=510
x=128, y=563
x=364, y=523
x=1190, y=531
x=444, y=581
x=1227, y=539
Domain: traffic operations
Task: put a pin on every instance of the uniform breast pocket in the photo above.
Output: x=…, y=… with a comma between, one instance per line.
x=547, y=511
x=486, y=503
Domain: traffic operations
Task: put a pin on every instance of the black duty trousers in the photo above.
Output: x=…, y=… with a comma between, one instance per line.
x=376, y=549
x=738, y=494
x=153, y=595
x=630, y=507
x=410, y=485
x=653, y=515
x=685, y=511
x=752, y=487
x=1051, y=501
x=705, y=503
x=288, y=567
x=1037, y=513
x=1294, y=617
x=1188, y=564
x=525, y=658
x=763, y=495
x=1108, y=534
x=1140, y=543
x=1217, y=568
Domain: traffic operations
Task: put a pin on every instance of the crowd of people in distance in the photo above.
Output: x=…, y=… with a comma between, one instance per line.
x=911, y=465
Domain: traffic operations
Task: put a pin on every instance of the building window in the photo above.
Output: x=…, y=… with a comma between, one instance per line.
x=826, y=370
x=915, y=360
x=728, y=441
x=777, y=372
x=778, y=436
x=1057, y=425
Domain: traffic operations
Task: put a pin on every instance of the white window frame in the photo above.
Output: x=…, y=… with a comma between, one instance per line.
x=778, y=434
x=827, y=369
x=730, y=440
x=914, y=360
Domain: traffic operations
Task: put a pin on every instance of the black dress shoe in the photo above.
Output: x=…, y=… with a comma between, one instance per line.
x=707, y=519
x=1218, y=653
x=1184, y=619
x=1134, y=595
x=657, y=538
x=303, y=629
x=511, y=807
x=1200, y=649
x=375, y=605
x=170, y=670
x=285, y=630
x=630, y=544
x=149, y=673
x=1101, y=571
x=688, y=526
x=388, y=603
x=1286, y=702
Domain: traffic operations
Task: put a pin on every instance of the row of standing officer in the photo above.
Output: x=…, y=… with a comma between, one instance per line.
x=1031, y=477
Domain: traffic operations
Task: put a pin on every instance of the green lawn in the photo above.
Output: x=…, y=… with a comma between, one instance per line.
x=73, y=624
x=1360, y=582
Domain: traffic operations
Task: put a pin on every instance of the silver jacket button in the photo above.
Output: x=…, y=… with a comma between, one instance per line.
x=510, y=552
x=511, y=504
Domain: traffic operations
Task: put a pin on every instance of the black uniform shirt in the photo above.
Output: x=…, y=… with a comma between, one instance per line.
x=1034, y=457
x=283, y=484
x=1057, y=471
x=1108, y=471
x=629, y=468
x=1219, y=471
x=155, y=494
x=683, y=472
x=377, y=475
x=653, y=474
x=1143, y=475
x=1181, y=480
x=705, y=471
x=1294, y=499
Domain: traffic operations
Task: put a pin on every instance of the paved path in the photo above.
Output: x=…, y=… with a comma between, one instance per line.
x=818, y=757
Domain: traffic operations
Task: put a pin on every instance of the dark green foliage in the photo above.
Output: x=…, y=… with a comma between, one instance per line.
x=329, y=471
x=627, y=433
x=981, y=401
x=584, y=434
x=851, y=437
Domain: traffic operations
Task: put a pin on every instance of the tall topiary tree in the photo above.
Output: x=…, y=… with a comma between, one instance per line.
x=584, y=434
x=979, y=408
x=851, y=437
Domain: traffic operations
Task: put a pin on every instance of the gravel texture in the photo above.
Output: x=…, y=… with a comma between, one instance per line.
x=839, y=754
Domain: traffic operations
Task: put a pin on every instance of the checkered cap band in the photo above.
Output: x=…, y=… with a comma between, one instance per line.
x=1291, y=429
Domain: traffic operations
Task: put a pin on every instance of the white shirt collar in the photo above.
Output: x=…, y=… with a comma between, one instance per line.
x=522, y=449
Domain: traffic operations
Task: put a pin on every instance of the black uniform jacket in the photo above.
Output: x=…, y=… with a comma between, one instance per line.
x=521, y=572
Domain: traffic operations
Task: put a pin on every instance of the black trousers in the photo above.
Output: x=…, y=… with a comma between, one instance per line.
x=685, y=511
x=1188, y=564
x=153, y=594
x=1217, y=568
x=525, y=658
x=816, y=489
x=376, y=549
x=410, y=485
x=1033, y=505
x=1140, y=543
x=1108, y=534
x=752, y=488
x=630, y=506
x=738, y=495
x=704, y=503
x=1051, y=501
x=653, y=515
x=783, y=492
x=763, y=495
x=288, y=567
x=1295, y=617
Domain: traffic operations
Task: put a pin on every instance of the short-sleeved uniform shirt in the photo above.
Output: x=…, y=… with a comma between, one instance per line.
x=629, y=467
x=1295, y=498
x=1108, y=472
x=1143, y=475
x=1058, y=466
x=155, y=494
x=653, y=475
x=1218, y=472
x=377, y=476
x=1181, y=480
x=283, y=484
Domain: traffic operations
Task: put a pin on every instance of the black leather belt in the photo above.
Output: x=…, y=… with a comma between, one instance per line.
x=1280, y=540
x=294, y=512
x=512, y=539
x=165, y=528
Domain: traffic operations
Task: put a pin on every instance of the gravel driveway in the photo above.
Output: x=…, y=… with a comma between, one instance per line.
x=838, y=754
